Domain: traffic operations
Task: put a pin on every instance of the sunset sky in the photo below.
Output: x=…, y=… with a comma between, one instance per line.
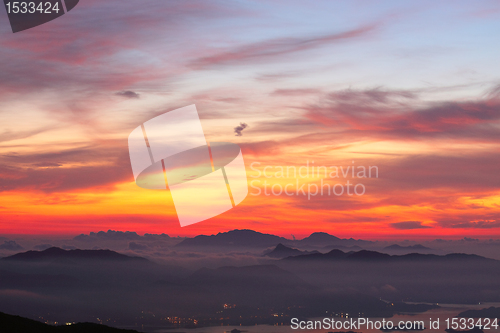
x=412, y=88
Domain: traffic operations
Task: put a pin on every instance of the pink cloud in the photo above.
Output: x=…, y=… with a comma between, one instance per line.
x=391, y=115
x=265, y=50
x=41, y=172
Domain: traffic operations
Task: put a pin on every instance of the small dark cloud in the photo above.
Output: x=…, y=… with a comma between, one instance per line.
x=128, y=94
x=408, y=225
x=11, y=246
x=135, y=246
x=239, y=129
x=68, y=247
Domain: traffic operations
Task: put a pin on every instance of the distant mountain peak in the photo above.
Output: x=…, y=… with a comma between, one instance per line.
x=321, y=236
x=234, y=238
x=321, y=239
x=410, y=247
x=283, y=251
x=241, y=231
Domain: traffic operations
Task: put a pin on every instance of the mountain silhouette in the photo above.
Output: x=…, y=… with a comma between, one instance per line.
x=490, y=312
x=283, y=251
x=321, y=239
x=55, y=253
x=233, y=238
x=367, y=255
x=249, y=238
x=17, y=324
x=378, y=256
x=397, y=247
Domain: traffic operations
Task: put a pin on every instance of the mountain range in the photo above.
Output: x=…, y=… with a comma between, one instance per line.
x=253, y=239
x=365, y=255
x=82, y=285
x=280, y=251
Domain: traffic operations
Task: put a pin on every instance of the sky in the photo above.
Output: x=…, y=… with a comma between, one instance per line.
x=411, y=89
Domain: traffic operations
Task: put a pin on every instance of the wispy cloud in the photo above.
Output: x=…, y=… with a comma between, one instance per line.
x=85, y=168
x=408, y=225
x=295, y=92
x=477, y=224
x=269, y=49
